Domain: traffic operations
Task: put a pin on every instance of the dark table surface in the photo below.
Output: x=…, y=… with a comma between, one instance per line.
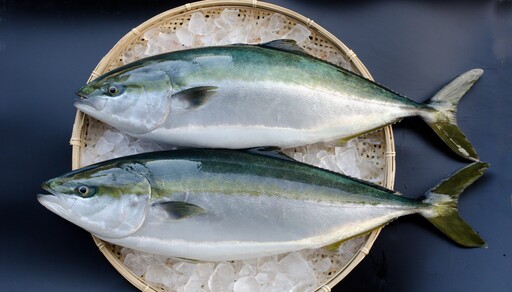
x=49, y=48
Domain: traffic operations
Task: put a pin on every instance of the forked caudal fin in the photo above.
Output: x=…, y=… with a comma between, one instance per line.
x=443, y=121
x=444, y=213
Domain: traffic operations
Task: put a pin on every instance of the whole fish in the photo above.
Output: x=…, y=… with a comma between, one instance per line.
x=243, y=96
x=217, y=205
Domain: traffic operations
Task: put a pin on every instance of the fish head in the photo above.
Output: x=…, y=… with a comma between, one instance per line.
x=135, y=100
x=110, y=201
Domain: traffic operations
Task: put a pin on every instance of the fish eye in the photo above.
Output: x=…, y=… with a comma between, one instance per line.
x=113, y=90
x=85, y=191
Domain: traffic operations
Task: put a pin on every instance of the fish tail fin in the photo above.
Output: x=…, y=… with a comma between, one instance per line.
x=443, y=120
x=443, y=201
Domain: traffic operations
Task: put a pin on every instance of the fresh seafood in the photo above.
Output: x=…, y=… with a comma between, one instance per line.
x=243, y=96
x=219, y=205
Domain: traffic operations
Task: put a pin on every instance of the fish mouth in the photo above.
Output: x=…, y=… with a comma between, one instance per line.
x=88, y=105
x=82, y=93
x=54, y=201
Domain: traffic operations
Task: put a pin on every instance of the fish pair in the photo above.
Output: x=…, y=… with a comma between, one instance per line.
x=227, y=204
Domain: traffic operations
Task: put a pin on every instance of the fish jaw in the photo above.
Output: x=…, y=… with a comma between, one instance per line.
x=56, y=202
x=52, y=203
x=90, y=106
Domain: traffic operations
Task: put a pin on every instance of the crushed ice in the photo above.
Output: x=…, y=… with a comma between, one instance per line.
x=297, y=271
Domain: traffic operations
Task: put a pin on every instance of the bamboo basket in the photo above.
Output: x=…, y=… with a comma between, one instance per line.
x=174, y=18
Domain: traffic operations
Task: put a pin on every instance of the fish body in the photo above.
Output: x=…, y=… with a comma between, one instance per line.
x=217, y=205
x=243, y=96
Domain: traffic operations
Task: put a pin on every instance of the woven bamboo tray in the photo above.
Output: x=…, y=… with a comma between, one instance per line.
x=322, y=43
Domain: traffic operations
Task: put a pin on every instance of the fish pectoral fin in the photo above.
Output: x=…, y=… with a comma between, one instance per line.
x=193, y=98
x=287, y=45
x=178, y=210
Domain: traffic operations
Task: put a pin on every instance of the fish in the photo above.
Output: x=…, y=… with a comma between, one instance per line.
x=273, y=94
x=222, y=204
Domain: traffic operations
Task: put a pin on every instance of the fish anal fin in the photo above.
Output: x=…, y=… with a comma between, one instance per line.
x=193, y=98
x=177, y=210
x=341, y=142
x=334, y=247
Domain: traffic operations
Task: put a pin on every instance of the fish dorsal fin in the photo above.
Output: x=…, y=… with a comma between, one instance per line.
x=192, y=98
x=178, y=210
x=287, y=45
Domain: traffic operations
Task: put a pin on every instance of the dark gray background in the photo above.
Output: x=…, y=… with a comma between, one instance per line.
x=49, y=48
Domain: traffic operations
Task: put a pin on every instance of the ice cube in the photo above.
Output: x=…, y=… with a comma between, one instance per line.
x=277, y=21
x=347, y=161
x=298, y=156
x=209, y=27
x=321, y=154
x=223, y=24
x=339, y=60
x=222, y=278
x=104, y=157
x=185, y=268
x=262, y=278
x=267, y=36
x=246, y=284
x=323, y=265
x=103, y=146
x=205, y=269
x=88, y=155
x=159, y=273
x=134, y=264
x=370, y=172
x=282, y=283
x=237, y=35
x=229, y=15
x=295, y=267
x=193, y=284
x=185, y=37
x=208, y=40
x=146, y=146
x=299, y=33
x=136, y=53
x=269, y=267
x=127, y=150
x=169, y=42
x=329, y=162
x=248, y=270
x=152, y=34
x=197, y=23
x=139, y=261
x=113, y=137
x=219, y=36
x=152, y=49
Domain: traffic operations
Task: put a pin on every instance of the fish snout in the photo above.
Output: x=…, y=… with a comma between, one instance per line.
x=47, y=186
x=84, y=92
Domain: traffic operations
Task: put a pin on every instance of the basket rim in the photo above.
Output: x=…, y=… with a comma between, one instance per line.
x=78, y=135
